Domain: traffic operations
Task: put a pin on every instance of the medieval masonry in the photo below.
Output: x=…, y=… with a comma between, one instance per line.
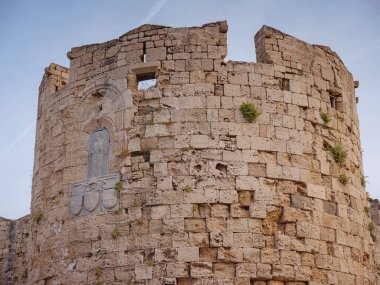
x=157, y=162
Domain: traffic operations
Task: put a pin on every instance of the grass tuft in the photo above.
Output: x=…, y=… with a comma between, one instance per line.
x=339, y=154
x=249, y=111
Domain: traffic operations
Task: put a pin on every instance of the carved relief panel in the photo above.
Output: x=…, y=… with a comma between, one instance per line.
x=97, y=194
x=104, y=114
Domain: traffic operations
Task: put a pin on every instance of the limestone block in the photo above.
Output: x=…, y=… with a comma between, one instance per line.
x=274, y=171
x=283, y=271
x=247, y=183
x=160, y=169
x=291, y=173
x=220, y=210
x=250, y=156
x=260, y=143
x=232, y=254
x=160, y=212
x=243, y=142
x=300, y=100
x=181, y=211
x=246, y=270
x=232, y=90
x=188, y=254
x=270, y=256
x=216, y=224
x=143, y=272
x=290, y=257
x=153, y=54
x=224, y=270
x=308, y=230
x=316, y=191
x=199, y=141
x=251, y=254
x=258, y=210
x=228, y=196
x=264, y=271
x=177, y=269
x=201, y=269
x=195, y=225
x=134, y=145
x=237, y=168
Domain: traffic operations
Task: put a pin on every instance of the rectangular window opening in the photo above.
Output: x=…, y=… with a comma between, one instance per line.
x=143, y=57
x=333, y=101
x=146, y=81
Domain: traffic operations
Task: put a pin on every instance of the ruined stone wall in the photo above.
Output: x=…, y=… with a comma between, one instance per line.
x=193, y=193
x=13, y=246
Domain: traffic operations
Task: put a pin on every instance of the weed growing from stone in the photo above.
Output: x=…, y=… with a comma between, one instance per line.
x=98, y=271
x=115, y=233
x=371, y=228
x=325, y=118
x=37, y=217
x=363, y=181
x=339, y=154
x=249, y=111
x=344, y=178
x=118, y=186
x=148, y=261
x=188, y=189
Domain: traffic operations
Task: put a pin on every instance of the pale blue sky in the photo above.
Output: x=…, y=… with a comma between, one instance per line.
x=35, y=33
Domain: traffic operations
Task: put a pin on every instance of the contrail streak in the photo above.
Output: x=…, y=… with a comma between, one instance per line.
x=153, y=11
x=17, y=140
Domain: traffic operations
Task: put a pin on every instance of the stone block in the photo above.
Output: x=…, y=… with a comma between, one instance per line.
x=153, y=54
x=199, y=141
x=188, y=254
x=247, y=183
x=201, y=269
x=195, y=225
x=160, y=212
x=143, y=272
x=224, y=270
x=246, y=270
x=316, y=191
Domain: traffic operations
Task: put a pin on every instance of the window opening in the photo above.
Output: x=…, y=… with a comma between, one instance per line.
x=333, y=101
x=146, y=81
x=143, y=57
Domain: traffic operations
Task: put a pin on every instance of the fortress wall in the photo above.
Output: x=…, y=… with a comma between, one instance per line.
x=206, y=197
x=13, y=246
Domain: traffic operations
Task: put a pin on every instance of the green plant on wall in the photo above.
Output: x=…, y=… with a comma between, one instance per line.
x=363, y=181
x=344, y=178
x=325, y=118
x=149, y=261
x=188, y=189
x=371, y=228
x=115, y=233
x=37, y=217
x=98, y=271
x=339, y=154
x=249, y=111
x=118, y=186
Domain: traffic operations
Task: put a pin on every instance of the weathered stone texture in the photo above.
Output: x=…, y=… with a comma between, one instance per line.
x=206, y=197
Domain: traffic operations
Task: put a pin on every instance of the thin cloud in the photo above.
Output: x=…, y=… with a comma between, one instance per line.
x=17, y=140
x=153, y=11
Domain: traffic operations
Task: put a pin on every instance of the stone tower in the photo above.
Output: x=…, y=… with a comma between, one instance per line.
x=147, y=172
